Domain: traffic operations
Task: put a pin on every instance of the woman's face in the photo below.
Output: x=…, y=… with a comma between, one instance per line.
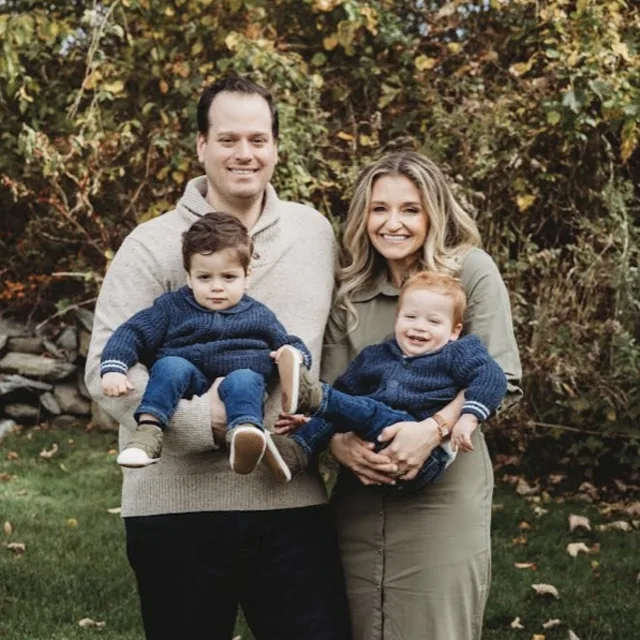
x=397, y=224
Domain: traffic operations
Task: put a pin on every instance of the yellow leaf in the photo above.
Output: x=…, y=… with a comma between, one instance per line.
x=538, y=636
x=197, y=48
x=621, y=49
x=365, y=141
x=454, y=47
x=114, y=87
x=318, y=80
x=177, y=176
x=424, y=63
x=629, y=140
x=343, y=135
x=164, y=87
x=92, y=79
x=525, y=201
x=72, y=522
x=232, y=40
x=520, y=68
x=553, y=117
x=330, y=42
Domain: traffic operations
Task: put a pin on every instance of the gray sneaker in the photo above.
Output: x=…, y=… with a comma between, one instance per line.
x=144, y=449
x=301, y=392
x=284, y=457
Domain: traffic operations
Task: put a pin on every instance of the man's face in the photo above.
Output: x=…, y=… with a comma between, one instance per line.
x=239, y=153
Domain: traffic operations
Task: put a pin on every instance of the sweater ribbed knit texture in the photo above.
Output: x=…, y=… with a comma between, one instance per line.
x=292, y=274
x=421, y=385
x=217, y=342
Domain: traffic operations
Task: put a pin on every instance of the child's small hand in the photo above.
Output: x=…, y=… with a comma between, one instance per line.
x=287, y=423
x=462, y=432
x=116, y=384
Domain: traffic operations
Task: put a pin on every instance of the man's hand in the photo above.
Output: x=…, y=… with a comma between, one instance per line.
x=462, y=432
x=116, y=384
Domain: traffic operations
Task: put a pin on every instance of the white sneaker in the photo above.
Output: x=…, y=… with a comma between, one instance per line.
x=248, y=444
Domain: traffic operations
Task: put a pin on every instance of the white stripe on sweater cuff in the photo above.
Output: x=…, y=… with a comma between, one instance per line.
x=477, y=408
x=113, y=365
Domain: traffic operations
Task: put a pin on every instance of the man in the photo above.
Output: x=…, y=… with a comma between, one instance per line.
x=200, y=538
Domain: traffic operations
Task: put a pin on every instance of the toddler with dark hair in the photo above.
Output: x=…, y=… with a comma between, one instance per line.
x=207, y=329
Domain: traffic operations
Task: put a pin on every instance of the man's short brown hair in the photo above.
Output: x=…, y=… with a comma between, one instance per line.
x=215, y=232
x=438, y=283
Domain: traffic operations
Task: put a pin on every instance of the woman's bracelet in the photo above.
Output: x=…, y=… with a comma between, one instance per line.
x=443, y=426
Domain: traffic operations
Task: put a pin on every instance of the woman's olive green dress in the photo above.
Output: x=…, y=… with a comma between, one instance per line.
x=420, y=567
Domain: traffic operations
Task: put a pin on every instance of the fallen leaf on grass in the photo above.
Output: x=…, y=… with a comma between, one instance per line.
x=538, y=636
x=523, y=488
x=574, y=548
x=595, y=568
x=576, y=522
x=515, y=624
x=556, y=478
x=545, y=590
x=6, y=477
x=617, y=525
x=526, y=565
x=114, y=511
x=549, y=624
x=572, y=636
x=539, y=511
x=87, y=623
x=112, y=452
x=524, y=525
x=12, y=455
x=47, y=454
x=7, y=528
x=633, y=509
x=497, y=507
x=72, y=522
x=519, y=540
x=17, y=547
x=589, y=489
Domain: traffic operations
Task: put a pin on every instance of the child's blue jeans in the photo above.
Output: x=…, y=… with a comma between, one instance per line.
x=173, y=378
x=340, y=412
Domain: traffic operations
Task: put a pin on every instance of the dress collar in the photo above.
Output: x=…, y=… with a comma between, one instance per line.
x=380, y=286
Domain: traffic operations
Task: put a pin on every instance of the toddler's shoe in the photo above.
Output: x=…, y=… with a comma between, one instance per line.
x=247, y=444
x=301, y=392
x=284, y=457
x=145, y=447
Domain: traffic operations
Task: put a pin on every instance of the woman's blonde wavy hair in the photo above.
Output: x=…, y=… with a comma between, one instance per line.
x=451, y=230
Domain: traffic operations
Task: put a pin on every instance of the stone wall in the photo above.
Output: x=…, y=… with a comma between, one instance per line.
x=42, y=376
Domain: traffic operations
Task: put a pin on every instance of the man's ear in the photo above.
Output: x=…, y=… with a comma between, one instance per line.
x=201, y=141
x=455, y=333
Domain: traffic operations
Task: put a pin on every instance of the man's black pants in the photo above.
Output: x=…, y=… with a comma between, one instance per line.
x=282, y=566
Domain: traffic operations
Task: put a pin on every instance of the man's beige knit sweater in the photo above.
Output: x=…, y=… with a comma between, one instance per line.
x=292, y=273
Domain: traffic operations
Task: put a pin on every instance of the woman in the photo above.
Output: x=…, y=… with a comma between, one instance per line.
x=417, y=567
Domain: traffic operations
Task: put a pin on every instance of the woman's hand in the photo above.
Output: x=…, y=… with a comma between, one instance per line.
x=411, y=444
x=356, y=454
x=288, y=423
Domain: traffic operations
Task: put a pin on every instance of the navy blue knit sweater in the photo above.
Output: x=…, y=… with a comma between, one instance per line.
x=217, y=342
x=420, y=385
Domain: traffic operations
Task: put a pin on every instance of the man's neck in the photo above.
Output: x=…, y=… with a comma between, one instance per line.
x=246, y=210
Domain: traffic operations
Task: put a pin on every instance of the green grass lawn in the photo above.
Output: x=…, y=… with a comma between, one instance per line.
x=74, y=563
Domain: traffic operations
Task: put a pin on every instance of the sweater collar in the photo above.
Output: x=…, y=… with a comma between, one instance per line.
x=194, y=204
x=245, y=302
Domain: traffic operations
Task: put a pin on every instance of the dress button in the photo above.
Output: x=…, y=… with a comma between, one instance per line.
x=256, y=255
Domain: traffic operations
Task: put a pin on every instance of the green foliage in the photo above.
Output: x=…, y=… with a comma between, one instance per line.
x=532, y=107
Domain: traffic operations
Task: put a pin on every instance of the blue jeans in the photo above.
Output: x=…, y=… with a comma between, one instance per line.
x=340, y=412
x=171, y=379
